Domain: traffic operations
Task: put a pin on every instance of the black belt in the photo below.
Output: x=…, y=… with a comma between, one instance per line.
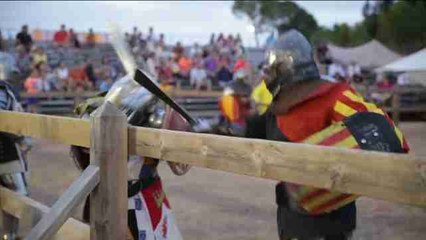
x=135, y=186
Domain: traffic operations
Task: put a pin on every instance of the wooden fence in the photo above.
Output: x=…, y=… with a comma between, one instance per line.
x=199, y=104
x=396, y=106
x=393, y=177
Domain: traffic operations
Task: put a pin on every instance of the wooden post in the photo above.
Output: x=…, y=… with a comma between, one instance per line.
x=396, y=101
x=109, y=151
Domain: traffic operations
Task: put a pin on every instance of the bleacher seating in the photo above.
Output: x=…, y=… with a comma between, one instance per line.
x=198, y=106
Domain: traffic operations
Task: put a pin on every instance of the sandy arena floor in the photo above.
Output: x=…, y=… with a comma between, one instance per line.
x=217, y=205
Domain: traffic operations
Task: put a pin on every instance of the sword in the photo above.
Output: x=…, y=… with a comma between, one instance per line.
x=140, y=77
x=145, y=81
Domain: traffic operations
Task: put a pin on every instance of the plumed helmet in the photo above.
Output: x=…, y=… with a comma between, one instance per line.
x=289, y=61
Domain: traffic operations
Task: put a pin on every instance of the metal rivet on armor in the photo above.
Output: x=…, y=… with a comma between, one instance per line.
x=363, y=141
x=375, y=134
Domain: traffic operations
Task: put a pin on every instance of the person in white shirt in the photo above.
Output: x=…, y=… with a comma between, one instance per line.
x=45, y=83
x=403, y=79
x=151, y=65
x=7, y=65
x=62, y=74
x=151, y=36
x=198, y=77
x=337, y=71
x=354, y=69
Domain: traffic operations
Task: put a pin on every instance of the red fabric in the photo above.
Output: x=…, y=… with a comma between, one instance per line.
x=154, y=199
x=312, y=115
x=385, y=85
x=317, y=112
x=174, y=121
x=61, y=37
x=313, y=195
x=240, y=64
x=320, y=209
x=336, y=138
x=237, y=113
x=78, y=74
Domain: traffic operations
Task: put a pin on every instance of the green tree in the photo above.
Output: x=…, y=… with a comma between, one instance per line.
x=403, y=26
x=400, y=25
x=279, y=15
x=284, y=15
x=342, y=35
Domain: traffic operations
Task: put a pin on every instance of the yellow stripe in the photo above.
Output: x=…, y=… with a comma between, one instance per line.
x=356, y=98
x=341, y=203
x=344, y=109
x=228, y=107
x=400, y=136
x=302, y=192
x=318, y=137
x=348, y=142
x=326, y=197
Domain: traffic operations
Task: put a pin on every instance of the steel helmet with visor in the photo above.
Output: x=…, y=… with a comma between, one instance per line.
x=290, y=61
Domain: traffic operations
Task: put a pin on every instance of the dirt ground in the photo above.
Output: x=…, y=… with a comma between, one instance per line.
x=217, y=205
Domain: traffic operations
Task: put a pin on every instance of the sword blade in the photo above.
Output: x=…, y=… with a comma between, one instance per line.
x=145, y=81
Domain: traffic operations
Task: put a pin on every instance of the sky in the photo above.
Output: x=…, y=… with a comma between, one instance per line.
x=186, y=21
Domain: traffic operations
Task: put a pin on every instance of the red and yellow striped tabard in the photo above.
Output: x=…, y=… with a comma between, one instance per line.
x=317, y=120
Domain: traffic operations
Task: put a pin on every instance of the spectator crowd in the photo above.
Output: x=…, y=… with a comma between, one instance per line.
x=40, y=67
x=26, y=65
x=198, y=67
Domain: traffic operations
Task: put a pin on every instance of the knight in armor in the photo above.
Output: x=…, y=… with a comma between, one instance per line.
x=13, y=165
x=149, y=212
x=307, y=109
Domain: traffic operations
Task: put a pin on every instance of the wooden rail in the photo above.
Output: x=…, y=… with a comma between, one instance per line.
x=59, y=213
x=395, y=109
x=393, y=177
x=29, y=211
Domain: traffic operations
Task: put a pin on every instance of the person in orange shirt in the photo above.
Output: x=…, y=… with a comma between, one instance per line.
x=78, y=79
x=91, y=39
x=185, y=65
x=32, y=85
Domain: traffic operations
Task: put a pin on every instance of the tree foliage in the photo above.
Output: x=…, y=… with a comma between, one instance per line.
x=403, y=26
x=400, y=25
x=279, y=15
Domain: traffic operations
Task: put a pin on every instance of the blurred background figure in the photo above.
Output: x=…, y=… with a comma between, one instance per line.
x=73, y=38
x=38, y=55
x=198, y=77
x=61, y=37
x=90, y=39
x=24, y=38
x=62, y=73
x=33, y=85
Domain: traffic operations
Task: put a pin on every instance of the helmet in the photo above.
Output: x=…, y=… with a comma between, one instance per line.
x=289, y=61
x=141, y=108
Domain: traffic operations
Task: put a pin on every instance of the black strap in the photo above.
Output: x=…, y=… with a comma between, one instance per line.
x=135, y=186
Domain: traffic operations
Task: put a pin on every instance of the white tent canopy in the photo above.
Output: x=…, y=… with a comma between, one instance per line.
x=370, y=55
x=415, y=62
